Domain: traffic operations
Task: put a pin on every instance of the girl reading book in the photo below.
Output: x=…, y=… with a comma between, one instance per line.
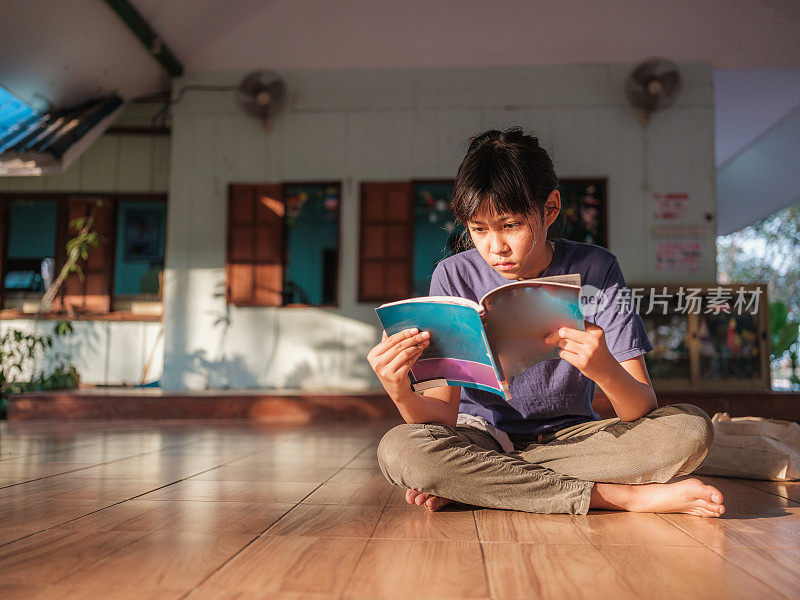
x=544, y=450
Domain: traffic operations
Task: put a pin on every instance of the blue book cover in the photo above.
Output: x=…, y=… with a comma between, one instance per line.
x=484, y=345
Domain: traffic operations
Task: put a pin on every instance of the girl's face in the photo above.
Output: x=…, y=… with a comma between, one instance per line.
x=514, y=245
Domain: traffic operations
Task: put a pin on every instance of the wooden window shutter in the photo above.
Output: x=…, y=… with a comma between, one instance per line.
x=93, y=292
x=254, y=266
x=387, y=228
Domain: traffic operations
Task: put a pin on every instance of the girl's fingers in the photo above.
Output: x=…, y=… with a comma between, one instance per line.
x=388, y=342
x=407, y=357
x=570, y=357
x=411, y=342
x=388, y=354
x=570, y=346
x=568, y=333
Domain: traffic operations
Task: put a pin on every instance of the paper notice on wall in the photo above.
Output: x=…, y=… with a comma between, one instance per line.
x=670, y=206
x=678, y=256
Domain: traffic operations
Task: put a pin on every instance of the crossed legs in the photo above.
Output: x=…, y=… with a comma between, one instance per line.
x=609, y=464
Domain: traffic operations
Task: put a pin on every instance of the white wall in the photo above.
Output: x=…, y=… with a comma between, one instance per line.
x=107, y=353
x=103, y=352
x=398, y=125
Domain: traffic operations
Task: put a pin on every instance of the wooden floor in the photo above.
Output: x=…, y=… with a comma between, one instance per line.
x=231, y=510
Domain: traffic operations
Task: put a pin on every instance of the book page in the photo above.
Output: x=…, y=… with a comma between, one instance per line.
x=570, y=279
x=439, y=299
x=517, y=317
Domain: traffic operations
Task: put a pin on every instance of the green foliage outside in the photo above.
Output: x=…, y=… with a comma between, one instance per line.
x=18, y=353
x=19, y=349
x=784, y=331
x=78, y=247
x=769, y=252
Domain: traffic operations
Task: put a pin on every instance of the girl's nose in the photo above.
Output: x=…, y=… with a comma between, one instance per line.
x=498, y=245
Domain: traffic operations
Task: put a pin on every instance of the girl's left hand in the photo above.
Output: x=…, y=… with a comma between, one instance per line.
x=585, y=350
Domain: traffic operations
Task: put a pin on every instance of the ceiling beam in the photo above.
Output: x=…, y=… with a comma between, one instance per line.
x=142, y=30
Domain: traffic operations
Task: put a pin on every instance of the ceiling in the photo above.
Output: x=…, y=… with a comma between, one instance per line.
x=62, y=53
x=335, y=34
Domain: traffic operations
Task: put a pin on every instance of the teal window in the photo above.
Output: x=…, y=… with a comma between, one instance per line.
x=125, y=266
x=436, y=231
x=311, y=225
x=30, y=258
x=139, y=253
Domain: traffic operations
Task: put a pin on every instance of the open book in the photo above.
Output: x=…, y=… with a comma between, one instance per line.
x=485, y=344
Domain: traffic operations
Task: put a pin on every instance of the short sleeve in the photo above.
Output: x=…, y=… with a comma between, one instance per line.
x=440, y=282
x=625, y=334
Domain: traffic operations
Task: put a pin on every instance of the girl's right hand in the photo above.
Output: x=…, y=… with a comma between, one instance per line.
x=393, y=357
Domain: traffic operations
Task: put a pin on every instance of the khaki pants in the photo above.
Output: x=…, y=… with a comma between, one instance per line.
x=551, y=473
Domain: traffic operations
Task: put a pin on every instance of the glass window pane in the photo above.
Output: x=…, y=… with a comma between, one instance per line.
x=729, y=347
x=312, y=244
x=139, y=255
x=582, y=211
x=436, y=231
x=668, y=330
x=669, y=335
x=31, y=245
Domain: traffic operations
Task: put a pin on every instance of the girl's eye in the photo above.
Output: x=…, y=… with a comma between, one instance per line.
x=478, y=229
x=512, y=225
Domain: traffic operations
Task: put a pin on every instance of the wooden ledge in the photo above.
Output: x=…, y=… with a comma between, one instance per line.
x=10, y=314
x=298, y=407
x=285, y=407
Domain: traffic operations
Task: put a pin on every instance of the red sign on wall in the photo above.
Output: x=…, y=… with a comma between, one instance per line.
x=670, y=206
x=679, y=256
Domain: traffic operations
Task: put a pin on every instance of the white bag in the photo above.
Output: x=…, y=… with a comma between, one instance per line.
x=753, y=448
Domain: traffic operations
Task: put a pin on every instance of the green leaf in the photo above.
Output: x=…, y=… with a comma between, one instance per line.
x=63, y=328
x=778, y=314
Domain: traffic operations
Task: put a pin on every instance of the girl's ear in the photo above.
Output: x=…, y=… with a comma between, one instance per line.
x=552, y=206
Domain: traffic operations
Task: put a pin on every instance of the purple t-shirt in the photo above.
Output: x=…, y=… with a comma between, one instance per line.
x=553, y=394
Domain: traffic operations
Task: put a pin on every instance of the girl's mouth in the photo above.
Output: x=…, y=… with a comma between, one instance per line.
x=504, y=266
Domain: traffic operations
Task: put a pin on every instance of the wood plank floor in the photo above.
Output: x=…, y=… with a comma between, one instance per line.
x=240, y=511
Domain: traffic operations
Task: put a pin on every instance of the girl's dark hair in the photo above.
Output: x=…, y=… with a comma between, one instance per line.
x=509, y=169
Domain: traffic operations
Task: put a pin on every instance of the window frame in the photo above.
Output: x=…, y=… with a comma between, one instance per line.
x=361, y=297
x=413, y=183
x=412, y=186
x=62, y=235
x=283, y=185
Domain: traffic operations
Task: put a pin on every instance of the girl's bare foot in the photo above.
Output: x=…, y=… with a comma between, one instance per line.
x=690, y=496
x=430, y=501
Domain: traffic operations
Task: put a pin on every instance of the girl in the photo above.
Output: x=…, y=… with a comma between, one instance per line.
x=545, y=450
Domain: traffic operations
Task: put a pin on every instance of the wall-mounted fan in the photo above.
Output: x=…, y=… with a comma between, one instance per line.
x=653, y=85
x=262, y=95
